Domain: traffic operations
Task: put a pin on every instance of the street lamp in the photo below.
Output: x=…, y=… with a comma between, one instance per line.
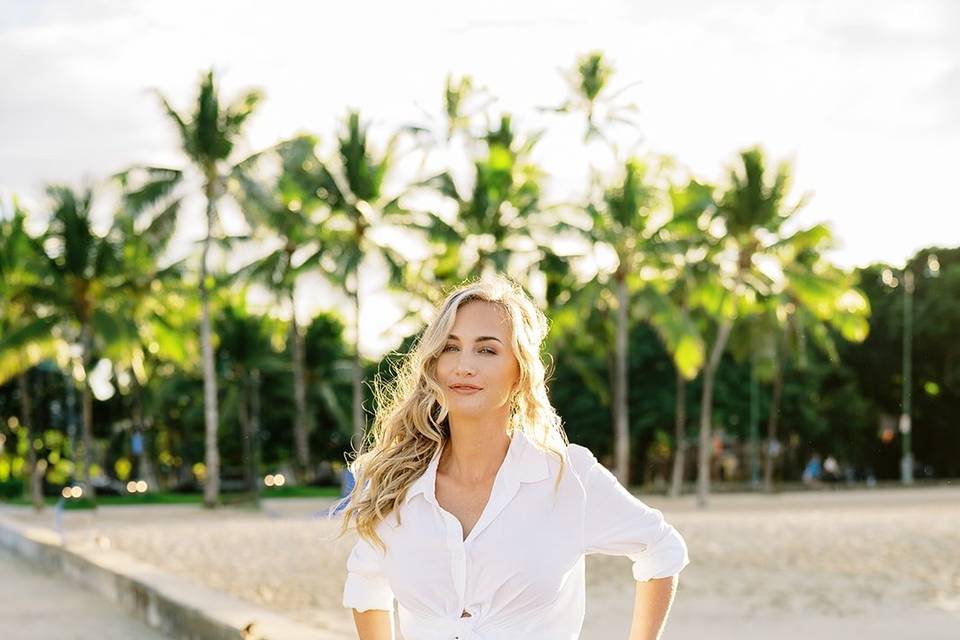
x=905, y=426
x=906, y=460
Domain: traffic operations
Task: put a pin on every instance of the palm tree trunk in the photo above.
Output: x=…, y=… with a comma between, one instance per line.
x=621, y=427
x=680, y=436
x=706, y=413
x=359, y=424
x=34, y=470
x=255, y=432
x=86, y=339
x=772, y=422
x=300, y=427
x=70, y=385
x=145, y=461
x=211, y=487
x=246, y=437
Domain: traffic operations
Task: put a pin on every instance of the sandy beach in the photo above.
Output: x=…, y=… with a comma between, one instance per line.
x=878, y=564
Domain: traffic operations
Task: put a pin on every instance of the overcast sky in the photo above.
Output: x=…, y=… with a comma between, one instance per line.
x=864, y=97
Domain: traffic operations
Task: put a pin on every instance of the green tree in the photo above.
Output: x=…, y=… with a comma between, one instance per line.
x=754, y=211
x=463, y=102
x=353, y=187
x=624, y=220
x=496, y=224
x=209, y=135
x=83, y=275
x=814, y=297
x=687, y=255
x=289, y=210
x=811, y=298
x=245, y=352
x=592, y=96
x=151, y=294
x=27, y=332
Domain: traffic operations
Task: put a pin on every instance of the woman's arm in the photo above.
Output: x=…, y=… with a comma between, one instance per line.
x=651, y=606
x=367, y=592
x=375, y=624
x=618, y=523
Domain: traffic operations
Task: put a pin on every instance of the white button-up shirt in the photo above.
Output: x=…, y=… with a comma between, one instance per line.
x=520, y=572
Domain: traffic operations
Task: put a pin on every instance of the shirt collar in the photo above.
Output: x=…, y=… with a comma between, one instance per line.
x=524, y=462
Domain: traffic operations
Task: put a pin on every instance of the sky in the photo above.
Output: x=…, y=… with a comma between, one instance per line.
x=863, y=97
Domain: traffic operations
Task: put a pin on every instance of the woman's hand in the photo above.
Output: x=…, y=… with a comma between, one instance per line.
x=651, y=606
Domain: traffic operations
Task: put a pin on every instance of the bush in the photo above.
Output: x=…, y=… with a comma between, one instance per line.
x=11, y=488
x=79, y=504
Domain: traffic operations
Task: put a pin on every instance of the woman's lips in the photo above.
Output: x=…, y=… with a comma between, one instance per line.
x=465, y=390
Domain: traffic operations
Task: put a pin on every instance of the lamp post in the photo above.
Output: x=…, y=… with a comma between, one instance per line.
x=906, y=460
x=905, y=426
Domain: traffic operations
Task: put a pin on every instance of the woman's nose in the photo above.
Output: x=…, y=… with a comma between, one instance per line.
x=464, y=367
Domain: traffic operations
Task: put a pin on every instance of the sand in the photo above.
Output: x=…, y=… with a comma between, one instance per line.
x=874, y=564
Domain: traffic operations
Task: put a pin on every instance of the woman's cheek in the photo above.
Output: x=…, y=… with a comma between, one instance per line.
x=442, y=370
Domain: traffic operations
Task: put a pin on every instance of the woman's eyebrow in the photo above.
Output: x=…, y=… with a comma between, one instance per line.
x=480, y=339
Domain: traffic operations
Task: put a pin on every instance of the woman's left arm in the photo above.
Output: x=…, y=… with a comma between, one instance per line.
x=651, y=606
x=617, y=523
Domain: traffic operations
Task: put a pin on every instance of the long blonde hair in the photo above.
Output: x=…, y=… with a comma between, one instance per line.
x=412, y=422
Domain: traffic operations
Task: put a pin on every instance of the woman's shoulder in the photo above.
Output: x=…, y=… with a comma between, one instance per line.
x=580, y=458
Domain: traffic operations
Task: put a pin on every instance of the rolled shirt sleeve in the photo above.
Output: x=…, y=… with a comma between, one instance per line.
x=366, y=586
x=617, y=523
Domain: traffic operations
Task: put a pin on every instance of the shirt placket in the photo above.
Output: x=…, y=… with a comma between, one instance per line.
x=458, y=556
x=462, y=628
x=505, y=486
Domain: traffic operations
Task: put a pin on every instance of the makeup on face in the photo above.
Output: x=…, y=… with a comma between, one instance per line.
x=476, y=359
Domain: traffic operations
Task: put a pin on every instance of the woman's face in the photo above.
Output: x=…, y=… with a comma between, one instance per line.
x=477, y=368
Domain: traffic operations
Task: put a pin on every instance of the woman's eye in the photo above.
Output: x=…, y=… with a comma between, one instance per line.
x=483, y=350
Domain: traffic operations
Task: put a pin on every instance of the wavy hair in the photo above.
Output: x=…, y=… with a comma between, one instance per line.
x=412, y=423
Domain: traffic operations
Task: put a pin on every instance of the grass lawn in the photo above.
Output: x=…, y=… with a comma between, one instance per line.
x=227, y=497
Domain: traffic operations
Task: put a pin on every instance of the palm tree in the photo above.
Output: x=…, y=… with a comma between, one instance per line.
x=497, y=218
x=591, y=95
x=691, y=249
x=810, y=298
x=287, y=208
x=208, y=137
x=621, y=223
x=83, y=275
x=753, y=207
x=623, y=219
x=149, y=294
x=27, y=334
x=463, y=101
x=246, y=352
x=352, y=185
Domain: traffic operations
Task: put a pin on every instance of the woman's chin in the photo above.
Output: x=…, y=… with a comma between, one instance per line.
x=470, y=408
x=466, y=408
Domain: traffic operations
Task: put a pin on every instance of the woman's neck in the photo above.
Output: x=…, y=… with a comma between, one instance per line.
x=475, y=450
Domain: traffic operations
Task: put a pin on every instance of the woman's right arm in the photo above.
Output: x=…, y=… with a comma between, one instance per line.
x=367, y=592
x=374, y=624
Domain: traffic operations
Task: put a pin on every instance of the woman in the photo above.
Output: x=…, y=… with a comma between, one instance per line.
x=491, y=511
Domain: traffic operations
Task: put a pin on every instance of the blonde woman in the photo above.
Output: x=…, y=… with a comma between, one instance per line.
x=474, y=512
